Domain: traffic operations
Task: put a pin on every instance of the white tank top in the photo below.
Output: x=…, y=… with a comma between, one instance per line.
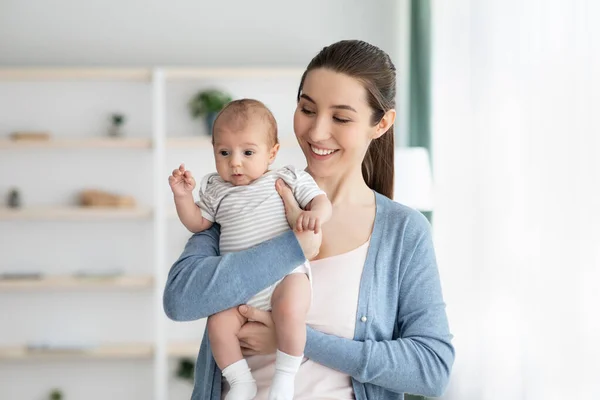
x=332, y=312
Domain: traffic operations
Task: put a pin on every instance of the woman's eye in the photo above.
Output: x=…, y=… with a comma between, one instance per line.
x=306, y=111
x=341, y=120
x=248, y=153
x=224, y=153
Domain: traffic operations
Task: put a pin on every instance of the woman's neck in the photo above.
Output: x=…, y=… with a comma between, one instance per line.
x=348, y=188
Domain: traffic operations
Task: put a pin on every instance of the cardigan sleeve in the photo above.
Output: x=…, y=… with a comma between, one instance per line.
x=420, y=359
x=202, y=282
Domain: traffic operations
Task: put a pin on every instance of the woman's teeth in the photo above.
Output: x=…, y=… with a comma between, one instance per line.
x=321, y=152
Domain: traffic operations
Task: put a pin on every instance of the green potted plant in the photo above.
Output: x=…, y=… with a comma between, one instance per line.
x=185, y=370
x=116, y=128
x=207, y=103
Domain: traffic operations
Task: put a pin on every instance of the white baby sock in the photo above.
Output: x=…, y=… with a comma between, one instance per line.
x=286, y=367
x=242, y=384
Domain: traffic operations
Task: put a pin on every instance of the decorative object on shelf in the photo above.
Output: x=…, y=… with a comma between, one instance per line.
x=116, y=128
x=14, y=198
x=21, y=276
x=56, y=394
x=59, y=347
x=208, y=103
x=30, y=136
x=99, y=198
x=99, y=274
x=185, y=370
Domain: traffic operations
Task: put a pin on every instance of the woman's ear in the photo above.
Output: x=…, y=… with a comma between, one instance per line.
x=385, y=124
x=273, y=153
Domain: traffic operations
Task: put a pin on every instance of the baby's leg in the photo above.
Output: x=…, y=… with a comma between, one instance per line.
x=223, y=329
x=290, y=302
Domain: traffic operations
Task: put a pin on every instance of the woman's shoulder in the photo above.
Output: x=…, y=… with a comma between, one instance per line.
x=401, y=219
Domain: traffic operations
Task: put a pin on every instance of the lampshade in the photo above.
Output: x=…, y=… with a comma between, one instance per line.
x=413, y=183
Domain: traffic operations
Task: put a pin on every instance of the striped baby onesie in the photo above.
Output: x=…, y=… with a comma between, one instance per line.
x=253, y=213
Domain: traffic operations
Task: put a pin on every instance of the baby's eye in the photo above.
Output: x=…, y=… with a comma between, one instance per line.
x=224, y=153
x=248, y=153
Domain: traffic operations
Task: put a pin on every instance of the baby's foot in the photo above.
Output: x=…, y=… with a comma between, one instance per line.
x=242, y=391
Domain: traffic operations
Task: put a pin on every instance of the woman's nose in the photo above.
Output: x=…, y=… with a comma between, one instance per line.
x=319, y=130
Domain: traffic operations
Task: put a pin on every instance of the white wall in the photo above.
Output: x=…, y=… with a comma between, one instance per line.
x=515, y=105
x=130, y=33
x=182, y=32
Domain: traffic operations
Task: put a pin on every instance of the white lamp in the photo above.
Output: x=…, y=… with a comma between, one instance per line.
x=413, y=183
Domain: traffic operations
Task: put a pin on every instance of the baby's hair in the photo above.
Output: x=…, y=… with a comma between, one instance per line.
x=235, y=116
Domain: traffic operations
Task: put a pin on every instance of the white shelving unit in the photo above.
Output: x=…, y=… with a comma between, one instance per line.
x=159, y=145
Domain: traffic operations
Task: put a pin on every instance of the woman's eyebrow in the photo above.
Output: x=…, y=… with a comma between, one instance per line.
x=336, y=106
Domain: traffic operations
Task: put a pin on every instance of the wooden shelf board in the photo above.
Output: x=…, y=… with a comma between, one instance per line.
x=143, y=74
x=183, y=349
x=74, y=282
x=73, y=213
x=175, y=73
x=189, y=142
x=120, y=351
x=75, y=74
x=72, y=143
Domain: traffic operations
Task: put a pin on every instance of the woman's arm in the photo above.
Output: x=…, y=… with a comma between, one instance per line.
x=421, y=359
x=202, y=283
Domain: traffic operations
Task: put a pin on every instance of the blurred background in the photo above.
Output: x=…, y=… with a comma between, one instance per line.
x=498, y=141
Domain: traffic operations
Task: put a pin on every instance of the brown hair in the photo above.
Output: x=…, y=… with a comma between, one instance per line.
x=237, y=113
x=375, y=70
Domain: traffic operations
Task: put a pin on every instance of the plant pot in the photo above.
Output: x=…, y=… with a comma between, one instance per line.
x=210, y=122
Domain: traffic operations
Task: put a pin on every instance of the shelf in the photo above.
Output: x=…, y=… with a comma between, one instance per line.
x=103, y=352
x=240, y=72
x=202, y=142
x=184, y=350
x=74, y=282
x=144, y=74
x=121, y=351
x=75, y=74
x=73, y=213
x=104, y=143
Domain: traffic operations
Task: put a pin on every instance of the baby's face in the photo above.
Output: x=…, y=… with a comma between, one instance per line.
x=241, y=156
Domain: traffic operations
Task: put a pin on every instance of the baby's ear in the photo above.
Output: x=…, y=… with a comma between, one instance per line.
x=273, y=153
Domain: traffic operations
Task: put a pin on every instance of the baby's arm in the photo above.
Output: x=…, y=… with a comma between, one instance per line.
x=190, y=214
x=182, y=184
x=317, y=212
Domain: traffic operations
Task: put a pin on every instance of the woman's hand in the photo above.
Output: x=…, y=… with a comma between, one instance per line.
x=257, y=336
x=308, y=240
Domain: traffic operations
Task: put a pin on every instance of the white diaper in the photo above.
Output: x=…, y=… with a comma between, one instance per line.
x=262, y=300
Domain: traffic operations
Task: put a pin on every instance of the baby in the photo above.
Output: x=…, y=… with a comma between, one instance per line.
x=241, y=197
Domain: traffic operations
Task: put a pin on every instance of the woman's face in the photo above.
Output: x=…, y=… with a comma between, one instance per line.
x=332, y=122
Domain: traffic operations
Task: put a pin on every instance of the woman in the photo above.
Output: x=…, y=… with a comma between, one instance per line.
x=377, y=324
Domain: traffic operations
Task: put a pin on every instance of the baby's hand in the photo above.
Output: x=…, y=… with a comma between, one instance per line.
x=308, y=221
x=181, y=181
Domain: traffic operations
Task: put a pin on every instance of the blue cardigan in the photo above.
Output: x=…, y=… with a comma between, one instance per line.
x=401, y=341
